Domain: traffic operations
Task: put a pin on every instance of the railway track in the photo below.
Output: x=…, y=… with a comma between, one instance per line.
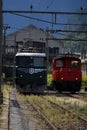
x=26, y=116
x=15, y=118
x=26, y=122
x=48, y=122
x=41, y=116
x=81, y=119
x=81, y=96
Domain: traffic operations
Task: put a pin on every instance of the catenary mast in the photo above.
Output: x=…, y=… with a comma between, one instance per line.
x=0, y=50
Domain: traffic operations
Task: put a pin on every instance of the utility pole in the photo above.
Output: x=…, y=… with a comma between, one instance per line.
x=47, y=48
x=1, y=100
x=5, y=27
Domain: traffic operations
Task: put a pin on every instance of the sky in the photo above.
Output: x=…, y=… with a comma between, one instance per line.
x=17, y=22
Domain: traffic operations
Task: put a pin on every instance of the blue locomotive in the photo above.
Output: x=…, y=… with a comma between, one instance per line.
x=30, y=72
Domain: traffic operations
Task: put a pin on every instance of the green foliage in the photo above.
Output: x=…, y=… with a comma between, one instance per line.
x=49, y=82
x=73, y=45
x=49, y=70
x=49, y=79
x=84, y=80
x=6, y=88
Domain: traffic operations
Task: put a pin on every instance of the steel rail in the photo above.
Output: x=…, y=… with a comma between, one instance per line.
x=78, y=96
x=57, y=105
x=53, y=127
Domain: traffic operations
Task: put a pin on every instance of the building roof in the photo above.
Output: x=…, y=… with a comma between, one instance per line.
x=33, y=33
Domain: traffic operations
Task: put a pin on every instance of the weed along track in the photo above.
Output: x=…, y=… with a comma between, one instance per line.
x=80, y=96
x=76, y=102
x=48, y=122
x=60, y=116
x=45, y=112
x=24, y=116
x=69, y=114
x=15, y=115
x=33, y=114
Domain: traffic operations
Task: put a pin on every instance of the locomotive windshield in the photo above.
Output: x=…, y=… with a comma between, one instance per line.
x=67, y=63
x=26, y=61
x=74, y=64
x=59, y=63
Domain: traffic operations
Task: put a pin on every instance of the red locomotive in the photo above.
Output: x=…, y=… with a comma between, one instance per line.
x=66, y=73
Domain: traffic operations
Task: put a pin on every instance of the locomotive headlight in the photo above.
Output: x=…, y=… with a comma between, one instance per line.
x=61, y=78
x=40, y=76
x=76, y=78
x=21, y=76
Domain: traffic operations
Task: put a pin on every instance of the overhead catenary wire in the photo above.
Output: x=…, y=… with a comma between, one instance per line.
x=46, y=21
x=44, y=12
x=50, y=22
x=66, y=39
x=50, y=4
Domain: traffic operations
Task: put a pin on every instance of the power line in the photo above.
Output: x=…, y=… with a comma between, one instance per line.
x=67, y=39
x=73, y=31
x=32, y=18
x=50, y=4
x=44, y=12
x=46, y=21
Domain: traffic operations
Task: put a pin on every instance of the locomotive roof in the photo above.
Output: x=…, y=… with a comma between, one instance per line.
x=67, y=56
x=31, y=54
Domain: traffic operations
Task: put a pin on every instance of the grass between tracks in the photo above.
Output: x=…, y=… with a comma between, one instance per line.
x=76, y=105
x=4, y=106
x=6, y=89
x=84, y=80
x=59, y=117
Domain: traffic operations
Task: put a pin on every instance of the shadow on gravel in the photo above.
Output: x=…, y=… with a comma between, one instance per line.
x=15, y=103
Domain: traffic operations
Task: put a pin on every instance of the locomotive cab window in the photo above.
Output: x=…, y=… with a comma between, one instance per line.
x=26, y=61
x=59, y=63
x=23, y=61
x=74, y=64
x=40, y=61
